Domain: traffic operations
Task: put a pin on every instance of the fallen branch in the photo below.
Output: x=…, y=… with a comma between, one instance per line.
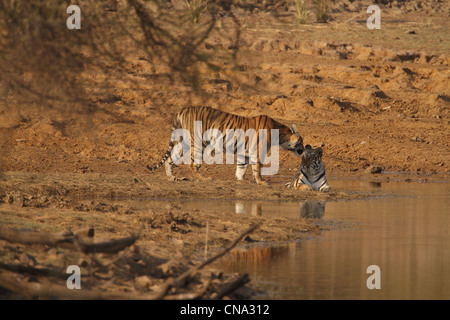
x=239, y=282
x=188, y=275
x=13, y=282
x=190, y=295
x=67, y=240
x=180, y=281
x=35, y=237
x=109, y=246
x=43, y=272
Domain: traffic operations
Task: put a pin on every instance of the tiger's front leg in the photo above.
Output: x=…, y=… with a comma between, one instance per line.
x=195, y=165
x=256, y=168
x=240, y=171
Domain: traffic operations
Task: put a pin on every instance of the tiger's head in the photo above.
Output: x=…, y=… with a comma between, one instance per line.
x=291, y=140
x=312, y=161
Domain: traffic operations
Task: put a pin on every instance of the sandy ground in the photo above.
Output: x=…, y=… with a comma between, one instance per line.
x=373, y=97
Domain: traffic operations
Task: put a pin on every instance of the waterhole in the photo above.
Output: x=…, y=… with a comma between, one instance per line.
x=402, y=228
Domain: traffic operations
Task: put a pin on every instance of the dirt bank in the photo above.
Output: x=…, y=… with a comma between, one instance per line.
x=374, y=97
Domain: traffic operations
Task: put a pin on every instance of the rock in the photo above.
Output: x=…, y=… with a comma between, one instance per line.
x=143, y=282
x=16, y=199
x=415, y=138
x=374, y=169
x=173, y=266
x=27, y=259
x=52, y=254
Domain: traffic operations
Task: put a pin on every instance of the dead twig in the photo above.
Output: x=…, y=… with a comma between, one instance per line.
x=35, y=237
x=190, y=295
x=14, y=282
x=109, y=246
x=44, y=272
x=188, y=275
x=181, y=280
x=66, y=240
x=239, y=282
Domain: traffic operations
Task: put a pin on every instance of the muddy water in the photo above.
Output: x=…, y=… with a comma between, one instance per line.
x=403, y=229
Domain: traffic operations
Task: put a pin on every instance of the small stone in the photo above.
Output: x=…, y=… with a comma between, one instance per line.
x=52, y=254
x=27, y=259
x=415, y=138
x=374, y=169
x=143, y=282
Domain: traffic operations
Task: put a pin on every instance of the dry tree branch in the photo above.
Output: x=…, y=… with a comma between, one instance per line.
x=66, y=240
x=15, y=283
x=191, y=295
x=239, y=282
x=36, y=237
x=41, y=272
x=181, y=280
x=184, y=278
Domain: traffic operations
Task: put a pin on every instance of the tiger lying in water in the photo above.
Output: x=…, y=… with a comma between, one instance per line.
x=289, y=137
x=312, y=172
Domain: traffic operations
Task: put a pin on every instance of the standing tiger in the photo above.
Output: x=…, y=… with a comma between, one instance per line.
x=312, y=172
x=289, y=138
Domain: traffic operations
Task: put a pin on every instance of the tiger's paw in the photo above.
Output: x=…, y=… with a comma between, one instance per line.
x=173, y=178
x=263, y=183
x=305, y=187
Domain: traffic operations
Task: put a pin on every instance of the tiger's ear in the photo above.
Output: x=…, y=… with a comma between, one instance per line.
x=320, y=149
x=294, y=129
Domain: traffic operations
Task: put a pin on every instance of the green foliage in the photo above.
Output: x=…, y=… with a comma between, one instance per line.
x=301, y=13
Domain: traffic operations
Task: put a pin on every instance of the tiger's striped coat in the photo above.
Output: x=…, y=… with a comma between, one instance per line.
x=312, y=172
x=289, y=137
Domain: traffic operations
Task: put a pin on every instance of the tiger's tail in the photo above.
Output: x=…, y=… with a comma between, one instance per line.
x=164, y=159
x=175, y=125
